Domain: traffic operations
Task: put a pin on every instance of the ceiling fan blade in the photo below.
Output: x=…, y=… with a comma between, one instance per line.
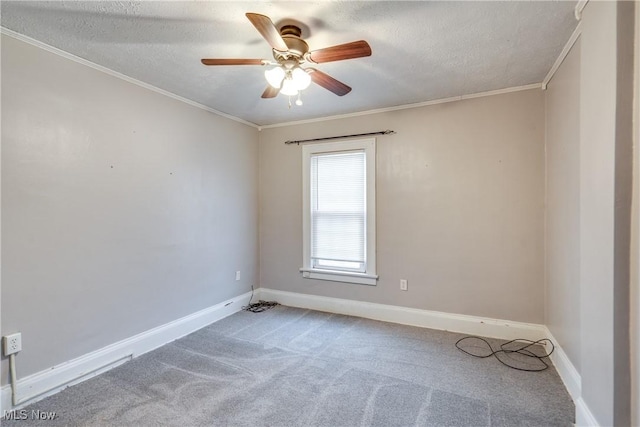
x=342, y=51
x=270, y=92
x=232, y=61
x=328, y=82
x=269, y=31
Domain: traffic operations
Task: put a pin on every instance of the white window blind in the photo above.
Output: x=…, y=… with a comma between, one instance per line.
x=338, y=210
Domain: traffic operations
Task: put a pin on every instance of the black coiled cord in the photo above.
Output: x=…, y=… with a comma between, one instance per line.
x=522, y=349
x=260, y=306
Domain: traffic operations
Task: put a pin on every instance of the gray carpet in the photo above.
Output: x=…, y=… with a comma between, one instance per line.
x=294, y=367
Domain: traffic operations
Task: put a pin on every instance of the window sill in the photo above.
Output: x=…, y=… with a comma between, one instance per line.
x=339, y=276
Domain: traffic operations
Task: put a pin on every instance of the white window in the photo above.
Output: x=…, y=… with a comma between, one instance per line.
x=339, y=188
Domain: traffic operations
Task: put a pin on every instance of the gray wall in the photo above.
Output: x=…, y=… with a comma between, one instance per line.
x=623, y=197
x=122, y=209
x=562, y=215
x=589, y=187
x=635, y=243
x=605, y=193
x=460, y=192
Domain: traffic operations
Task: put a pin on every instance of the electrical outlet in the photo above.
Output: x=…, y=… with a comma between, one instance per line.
x=237, y=275
x=12, y=343
x=403, y=285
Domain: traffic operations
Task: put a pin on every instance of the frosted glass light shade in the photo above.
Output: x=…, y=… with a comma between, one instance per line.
x=289, y=88
x=274, y=76
x=301, y=78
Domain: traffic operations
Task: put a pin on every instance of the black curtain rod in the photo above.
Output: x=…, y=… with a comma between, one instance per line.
x=302, y=141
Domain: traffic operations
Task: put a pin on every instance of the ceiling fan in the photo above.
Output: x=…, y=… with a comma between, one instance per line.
x=290, y=51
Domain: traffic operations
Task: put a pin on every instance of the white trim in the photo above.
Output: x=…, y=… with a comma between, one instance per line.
x=568, y=373
x=474, y=325
x=407, y=106
x=584, y=417
x=577, y=11
x=565, y=51
x=482, y=326
x=113, y=73
x=308, y=272
x=52, y=380
x=121, y=76
x=340, y=276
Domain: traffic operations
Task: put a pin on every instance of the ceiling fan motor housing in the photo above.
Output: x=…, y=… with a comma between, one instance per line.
x=290, y=51
x=297, y=47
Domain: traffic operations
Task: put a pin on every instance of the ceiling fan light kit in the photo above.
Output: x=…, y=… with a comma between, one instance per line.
x=288, y=88
x=275, y=76
x=301, y=78
x=289, y=78
x=290, y=51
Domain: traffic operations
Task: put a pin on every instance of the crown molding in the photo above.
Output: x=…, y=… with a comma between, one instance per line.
x=126, y=78
x=406, y=106
x=121, y=76
x=577, y=11
x=565, y=51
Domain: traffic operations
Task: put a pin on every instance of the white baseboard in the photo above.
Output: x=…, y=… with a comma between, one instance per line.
x=572, y=381
x=568, y=373
x=472, y=325
x=584, y=417
x=50, y=381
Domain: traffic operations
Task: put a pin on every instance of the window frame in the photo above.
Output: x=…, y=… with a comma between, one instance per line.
x=369, y=277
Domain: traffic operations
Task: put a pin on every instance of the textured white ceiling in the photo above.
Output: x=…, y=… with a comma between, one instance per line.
x=422, y=50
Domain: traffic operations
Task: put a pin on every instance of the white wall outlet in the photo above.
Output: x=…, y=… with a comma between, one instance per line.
x=237, y=275
x=12, y=343
x=403, y=285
